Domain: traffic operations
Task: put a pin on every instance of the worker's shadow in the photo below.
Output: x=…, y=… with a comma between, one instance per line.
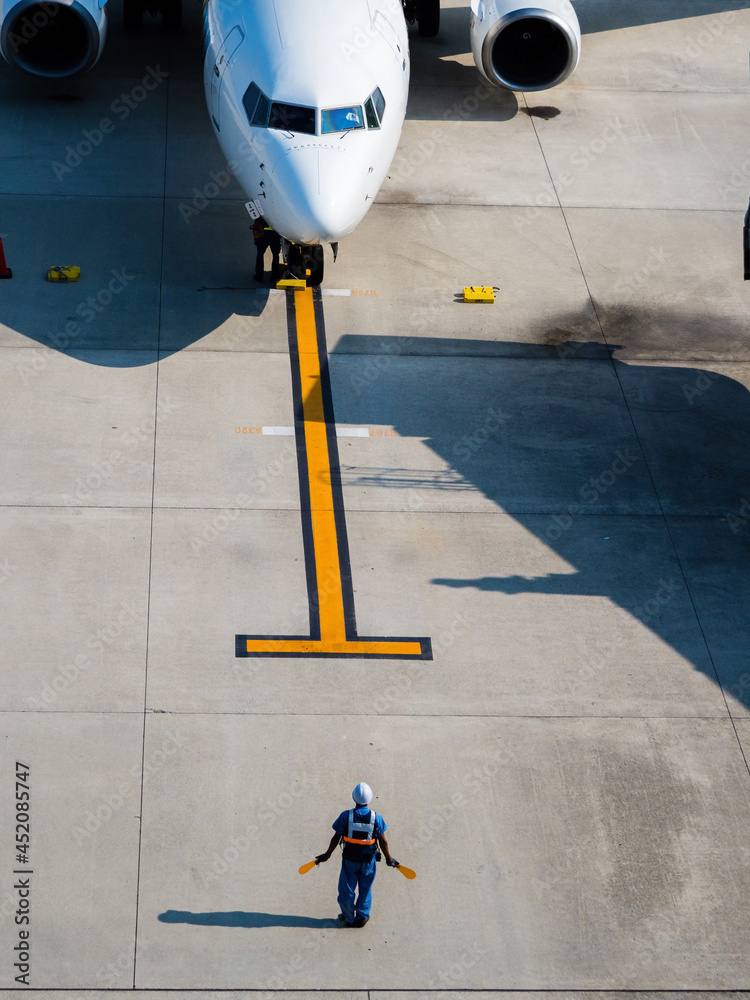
x=243, y=918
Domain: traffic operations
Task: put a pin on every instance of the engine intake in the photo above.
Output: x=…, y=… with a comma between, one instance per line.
x=53, y=39
x=527, y=48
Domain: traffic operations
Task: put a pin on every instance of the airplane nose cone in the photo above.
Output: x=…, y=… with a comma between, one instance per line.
x=317, y=194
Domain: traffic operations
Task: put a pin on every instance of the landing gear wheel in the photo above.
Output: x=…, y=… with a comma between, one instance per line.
x=171, y=14
x=302, y=259
x=428, y=17
x=132, y=14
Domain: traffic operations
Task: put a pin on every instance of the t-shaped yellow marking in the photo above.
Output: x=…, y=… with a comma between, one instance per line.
x=333, y=631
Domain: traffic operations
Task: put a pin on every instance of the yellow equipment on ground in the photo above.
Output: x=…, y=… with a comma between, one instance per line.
x=479, y=293
x=63, y=274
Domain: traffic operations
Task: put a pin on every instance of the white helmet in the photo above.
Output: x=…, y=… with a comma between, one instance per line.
x=362, y=794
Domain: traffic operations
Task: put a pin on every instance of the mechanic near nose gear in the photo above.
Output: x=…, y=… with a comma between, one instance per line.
x=361, y=831
x=266, y=238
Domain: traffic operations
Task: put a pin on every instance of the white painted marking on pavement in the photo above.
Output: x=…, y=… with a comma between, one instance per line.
x=357, y=432
x=282, y=291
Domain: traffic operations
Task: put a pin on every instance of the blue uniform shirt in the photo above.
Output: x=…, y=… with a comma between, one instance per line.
x=353, y=852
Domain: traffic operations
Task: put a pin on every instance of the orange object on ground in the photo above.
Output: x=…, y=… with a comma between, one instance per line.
x=5, y=271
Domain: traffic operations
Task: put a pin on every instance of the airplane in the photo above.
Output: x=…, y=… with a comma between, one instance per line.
x=307, y=99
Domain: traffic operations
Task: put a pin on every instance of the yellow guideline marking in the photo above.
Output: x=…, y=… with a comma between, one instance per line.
x=328, y=647
x=333, y=639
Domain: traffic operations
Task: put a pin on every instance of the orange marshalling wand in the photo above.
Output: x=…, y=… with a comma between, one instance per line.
x=406, y=872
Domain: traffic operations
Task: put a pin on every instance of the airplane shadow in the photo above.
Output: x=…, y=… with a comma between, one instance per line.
x=603, y=15
x=118, y=339
x=438, y=80
x=241, y=918
x=593, y=16
x=566, y=439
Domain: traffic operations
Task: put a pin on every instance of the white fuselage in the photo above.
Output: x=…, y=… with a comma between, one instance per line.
x=317, y=62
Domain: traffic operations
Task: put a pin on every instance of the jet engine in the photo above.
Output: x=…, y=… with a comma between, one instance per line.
x=525, y=48
x=52, y=38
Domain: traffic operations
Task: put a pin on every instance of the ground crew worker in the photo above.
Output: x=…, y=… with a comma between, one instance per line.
x=266, y=237
x=362, y=832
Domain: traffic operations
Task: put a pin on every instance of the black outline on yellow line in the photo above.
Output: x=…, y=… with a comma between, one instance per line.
x=333, y=625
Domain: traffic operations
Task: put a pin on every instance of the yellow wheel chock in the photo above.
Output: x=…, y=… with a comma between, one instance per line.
x=479, y=293
x=63, y=274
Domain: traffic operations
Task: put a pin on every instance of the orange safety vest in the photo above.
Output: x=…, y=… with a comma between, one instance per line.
x=362, y=834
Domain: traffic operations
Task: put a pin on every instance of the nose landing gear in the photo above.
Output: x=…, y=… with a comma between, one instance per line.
x=305, y=262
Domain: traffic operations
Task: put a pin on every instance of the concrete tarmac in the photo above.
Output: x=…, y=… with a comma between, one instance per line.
x=555, y=489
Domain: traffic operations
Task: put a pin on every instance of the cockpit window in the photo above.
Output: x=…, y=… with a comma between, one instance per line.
x=379, y=102
x=263, y=113
x=341, y=119
x=256, y=106
x=372, y=118
x=292, y=118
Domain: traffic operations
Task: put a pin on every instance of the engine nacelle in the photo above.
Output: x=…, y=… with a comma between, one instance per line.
x=525, y=48
x=52, y=38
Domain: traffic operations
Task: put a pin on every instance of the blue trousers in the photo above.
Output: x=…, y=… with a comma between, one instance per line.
x=356, y=874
